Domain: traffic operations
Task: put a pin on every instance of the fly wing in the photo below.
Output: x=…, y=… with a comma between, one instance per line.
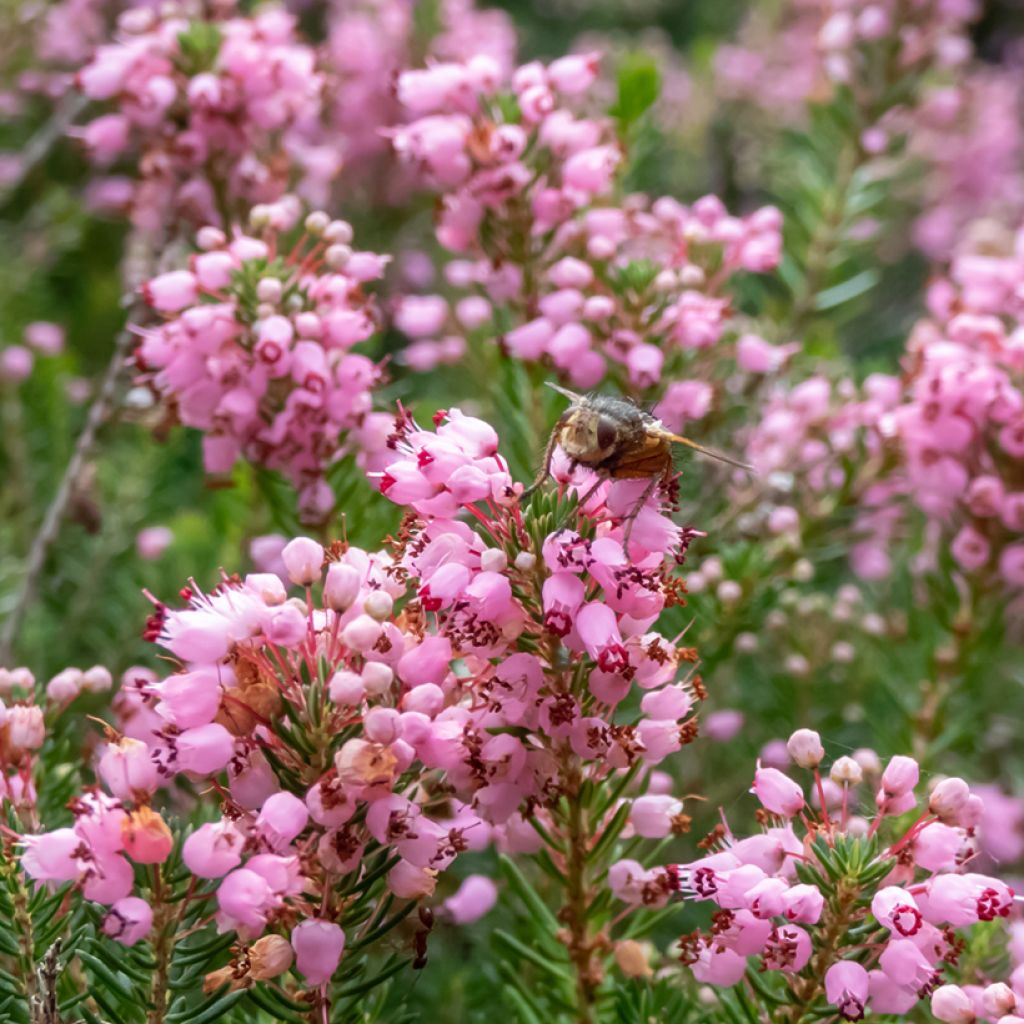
x=710, y=452
x=573, y=397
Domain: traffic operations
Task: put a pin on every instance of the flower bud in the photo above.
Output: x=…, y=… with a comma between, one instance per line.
x=948, y=799
x=303, y=559
x=475, y=897
x=805, y=748
x=631, y=957
x=270, y=956
x=377, y=678
x=846, y=772
x=341, y=586
x=146, y=837
x=318, y=947
x=317, y=222
x=778, y=793
x=23, y=729
x=900, y=775
x=378, y=605
x=952, y=1004
x=347, y=688
x=998, y=1000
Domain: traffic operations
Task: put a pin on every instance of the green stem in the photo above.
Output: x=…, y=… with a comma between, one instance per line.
x=807, y=991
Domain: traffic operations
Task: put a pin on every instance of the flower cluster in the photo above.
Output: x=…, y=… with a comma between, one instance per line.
x=27, y=713
x=879, y=918
x=840, y=43
x=595, y=286
x=969, y=135
x=369, y=43
x=401, y=708
x=961, y=424
x=555, y=628
x=257, y=348
x=212, y=112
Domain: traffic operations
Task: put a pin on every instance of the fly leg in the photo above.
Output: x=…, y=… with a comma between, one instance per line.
x=545, y=471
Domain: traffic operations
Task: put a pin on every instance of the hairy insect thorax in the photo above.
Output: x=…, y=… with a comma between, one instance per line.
x=594, y=431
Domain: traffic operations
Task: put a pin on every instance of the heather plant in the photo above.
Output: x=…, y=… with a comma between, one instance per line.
x=438, y=695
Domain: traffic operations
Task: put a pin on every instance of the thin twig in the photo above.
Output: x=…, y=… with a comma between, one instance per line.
x=136, y=269
x=35, y=151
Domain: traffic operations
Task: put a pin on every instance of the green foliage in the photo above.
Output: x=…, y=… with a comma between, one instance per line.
x=200, y=45
x=639, y=83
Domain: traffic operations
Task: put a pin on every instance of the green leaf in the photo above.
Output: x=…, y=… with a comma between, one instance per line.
x=639, y=82
x=528, y=897
x=848, y=290
x=557, y=972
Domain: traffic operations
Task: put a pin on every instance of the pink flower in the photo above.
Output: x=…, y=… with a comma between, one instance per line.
x=244, y=898
x=171, y=292
x=213, y=849
x=46, y=338
x=778, y=793
x=897, y=910
x=52, y=856
x=846, y=988
x=128, y=920
x=16, y=363
x=951, y=1004
x=651, y=816
x=303, y=559
x=128, y=770
x=151, y=542
x=318, y=947
x=282, y=818
x=475, y=897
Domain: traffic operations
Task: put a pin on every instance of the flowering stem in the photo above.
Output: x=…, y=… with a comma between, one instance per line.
x=164, y=927
x=574, y=913
x=834, y=923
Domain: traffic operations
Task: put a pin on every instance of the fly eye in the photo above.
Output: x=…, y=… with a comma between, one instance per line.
x=606, y=432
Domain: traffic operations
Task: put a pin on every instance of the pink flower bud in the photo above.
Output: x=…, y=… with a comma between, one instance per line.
x=805, y=748
x=318, y=947
x=15, y=363
x=652, y=816
x=778, y=793
x=475, y=897
x=152, y=542
x=146, y=837
x=128, y=920
x=998, y=1000
x=171, y=292
x=303, y=559
x=244, y=897
x=65, y=686
x=23, y=729
x=900, y=776
x=952, y=1004
x=46, y=338
x=282, y=818
x=948, y=799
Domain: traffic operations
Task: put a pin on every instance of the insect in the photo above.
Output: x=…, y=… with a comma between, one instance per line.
x=617, y=440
